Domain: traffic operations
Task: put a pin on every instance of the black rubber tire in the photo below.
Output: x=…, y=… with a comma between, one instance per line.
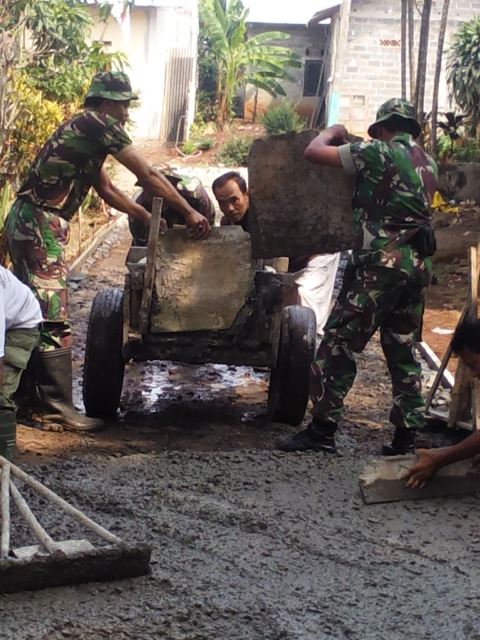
x=104, y=366
x=289, y=379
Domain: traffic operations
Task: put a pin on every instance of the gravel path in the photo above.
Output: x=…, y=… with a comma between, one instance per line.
x=248, y=543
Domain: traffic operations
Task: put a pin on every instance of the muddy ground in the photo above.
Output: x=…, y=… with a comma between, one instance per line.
x=248, y=543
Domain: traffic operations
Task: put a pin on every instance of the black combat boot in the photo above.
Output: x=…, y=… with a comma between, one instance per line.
x=318, y=436
x=403, y=442
x=54, y=377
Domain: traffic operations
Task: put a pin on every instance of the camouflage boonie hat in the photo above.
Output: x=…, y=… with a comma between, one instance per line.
x=396, y=107
x=111, y=85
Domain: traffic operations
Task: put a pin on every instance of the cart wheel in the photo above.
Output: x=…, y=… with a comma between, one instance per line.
x=289, y=379
x=104, y=366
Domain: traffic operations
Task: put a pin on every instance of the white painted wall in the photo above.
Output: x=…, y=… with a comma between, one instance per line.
x=157, y=27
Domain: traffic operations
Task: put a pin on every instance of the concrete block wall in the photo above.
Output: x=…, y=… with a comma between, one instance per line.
x=308, y=43
x=372, y=73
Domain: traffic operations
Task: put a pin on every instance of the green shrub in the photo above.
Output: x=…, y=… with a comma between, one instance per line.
x=283, y=119
x=189, y=147
x=444, y=146
x=205, y=144
x=466, y=150
x=234, y=153
x=37, y=118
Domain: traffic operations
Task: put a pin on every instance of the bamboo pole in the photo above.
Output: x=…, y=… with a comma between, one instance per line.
x=31, y=520
x=63, y=504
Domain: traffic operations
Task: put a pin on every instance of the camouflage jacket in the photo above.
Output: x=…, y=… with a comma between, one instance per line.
x=69, y=162
x=396, y=182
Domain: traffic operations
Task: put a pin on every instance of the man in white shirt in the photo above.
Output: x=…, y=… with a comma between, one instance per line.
x=20, y=319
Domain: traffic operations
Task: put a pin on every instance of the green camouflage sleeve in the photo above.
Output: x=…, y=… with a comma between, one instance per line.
x=367, y=156
x=115, y=138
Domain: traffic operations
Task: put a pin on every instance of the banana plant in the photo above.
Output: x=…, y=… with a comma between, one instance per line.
x=241, y=60
x=464, y=71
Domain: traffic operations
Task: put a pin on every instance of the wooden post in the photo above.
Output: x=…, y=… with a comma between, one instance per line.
x=149, y=275
x=466, y=390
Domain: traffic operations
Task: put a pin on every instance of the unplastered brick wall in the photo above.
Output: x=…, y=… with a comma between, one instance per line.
x=371, y=72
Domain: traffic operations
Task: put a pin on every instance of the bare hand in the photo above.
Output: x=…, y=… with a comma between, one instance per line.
x=198, y=226
x=338, y=134
x=423, y=470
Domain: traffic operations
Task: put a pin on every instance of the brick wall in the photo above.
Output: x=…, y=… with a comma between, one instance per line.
x=371, y=73
x=309, y=43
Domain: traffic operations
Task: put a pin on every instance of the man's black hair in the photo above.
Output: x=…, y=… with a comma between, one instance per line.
x=467, y=336
x=222, y=180
x=93, y=102
x=397, y=123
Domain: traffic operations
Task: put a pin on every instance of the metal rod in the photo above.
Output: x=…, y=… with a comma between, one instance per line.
x=5, y=501
x=35, y=526
x=63, y=504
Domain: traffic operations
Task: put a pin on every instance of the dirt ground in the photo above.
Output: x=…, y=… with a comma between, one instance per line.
x=248, y=543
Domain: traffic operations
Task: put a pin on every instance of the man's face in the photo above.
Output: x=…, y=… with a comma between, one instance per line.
x=118, y=110
x=232, y=202
x=471, y=360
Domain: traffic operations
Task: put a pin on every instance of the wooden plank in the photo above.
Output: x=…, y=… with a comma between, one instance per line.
x=442, y=415
x=97, y=565
x=465, y=403
x=149, y=275
x=460, y=404
x=77, y=264
x=443, y=365
x=384, y=480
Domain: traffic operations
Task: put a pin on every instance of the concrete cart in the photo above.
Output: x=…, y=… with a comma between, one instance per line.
x=199, y=302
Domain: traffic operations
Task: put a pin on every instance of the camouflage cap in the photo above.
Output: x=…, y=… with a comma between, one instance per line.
x=396, y=107
x=111, y=85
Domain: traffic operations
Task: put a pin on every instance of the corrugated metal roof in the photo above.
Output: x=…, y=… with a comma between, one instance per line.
x=324, y=14
x=275, y=12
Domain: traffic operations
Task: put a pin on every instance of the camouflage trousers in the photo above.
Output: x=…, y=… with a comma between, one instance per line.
x=19, y=344
x=36, y=243
x=372, y=297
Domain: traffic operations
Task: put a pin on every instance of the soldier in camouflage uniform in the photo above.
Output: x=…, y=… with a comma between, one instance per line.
x=386, y=278
x=189, y=187
x=68, y=165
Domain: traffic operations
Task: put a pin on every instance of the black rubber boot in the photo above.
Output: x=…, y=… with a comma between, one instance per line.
x=318, y=436
x=403, y=442
x=27, y=396
x=54, y=376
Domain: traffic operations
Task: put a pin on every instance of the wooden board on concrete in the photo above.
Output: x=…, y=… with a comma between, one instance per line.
x=383, y=480
x=296, y=208
x=201, y=285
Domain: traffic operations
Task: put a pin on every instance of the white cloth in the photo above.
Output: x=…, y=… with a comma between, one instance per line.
x=19, y=309
x=315, y=286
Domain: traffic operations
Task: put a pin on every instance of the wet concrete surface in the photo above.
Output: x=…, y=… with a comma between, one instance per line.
x=248, y=543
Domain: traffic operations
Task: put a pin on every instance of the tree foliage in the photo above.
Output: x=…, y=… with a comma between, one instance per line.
x=464, y=71
x=46, y=62
x=241, y=60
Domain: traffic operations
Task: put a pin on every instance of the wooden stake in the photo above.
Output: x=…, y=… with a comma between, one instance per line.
x=149, y=275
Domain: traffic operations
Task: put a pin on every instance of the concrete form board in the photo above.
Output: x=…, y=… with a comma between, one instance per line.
x=384, y=480
x=297, y=208
x=201, y=285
